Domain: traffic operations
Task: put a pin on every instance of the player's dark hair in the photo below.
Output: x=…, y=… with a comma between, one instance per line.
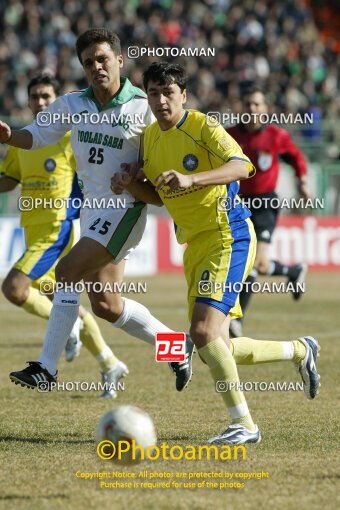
x=44, y=79
x=165, y=73
x=253, y=89
x=97, y=36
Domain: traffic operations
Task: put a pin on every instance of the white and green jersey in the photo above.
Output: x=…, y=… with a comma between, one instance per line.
x=102, y=137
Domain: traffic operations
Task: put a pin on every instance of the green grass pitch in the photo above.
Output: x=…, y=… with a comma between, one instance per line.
x=46, y=438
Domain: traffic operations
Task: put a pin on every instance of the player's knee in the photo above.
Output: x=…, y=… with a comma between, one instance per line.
x=108, y=312
x=67, y=270
x=202, y=332
x=14, y=293
x=262, y=266
x=98, y=309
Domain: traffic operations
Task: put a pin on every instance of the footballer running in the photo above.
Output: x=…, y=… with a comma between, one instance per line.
x=107, y=235
x=191, y=165
x=49, y=233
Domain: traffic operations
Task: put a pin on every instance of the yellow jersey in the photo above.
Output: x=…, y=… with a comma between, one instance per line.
x=194, y=145
x=46, y=173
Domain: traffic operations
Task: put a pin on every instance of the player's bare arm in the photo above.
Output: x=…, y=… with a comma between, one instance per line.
x=143, y=191
x=7, y=183
x=225, y=174
x=17, y=138
x=303, y=188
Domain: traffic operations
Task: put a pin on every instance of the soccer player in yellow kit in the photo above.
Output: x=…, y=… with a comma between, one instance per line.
x=49, y=173
x=195, y=167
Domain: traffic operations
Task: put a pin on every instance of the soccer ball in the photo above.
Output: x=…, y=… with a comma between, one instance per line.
x=125, y=423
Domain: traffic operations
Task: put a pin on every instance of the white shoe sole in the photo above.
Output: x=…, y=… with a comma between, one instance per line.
x=304, y=372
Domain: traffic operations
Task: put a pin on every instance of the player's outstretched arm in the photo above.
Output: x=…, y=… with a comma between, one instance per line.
x=7, y=183
x=303, y=188
x=20, y=138
x=292, y=155
x=225, y=174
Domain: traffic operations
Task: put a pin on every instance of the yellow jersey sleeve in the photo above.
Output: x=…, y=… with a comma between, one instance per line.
x=65, y=142
x=219, y=143
x=11, y=165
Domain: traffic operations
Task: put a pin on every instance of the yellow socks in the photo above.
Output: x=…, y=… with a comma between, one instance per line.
x=223, y=369
x=244, y=351
x=300, y=351
x=247, y=351
x=37, y=304
x=92, y=338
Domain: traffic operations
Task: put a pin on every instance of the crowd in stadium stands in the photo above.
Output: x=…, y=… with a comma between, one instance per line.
x=273, y=43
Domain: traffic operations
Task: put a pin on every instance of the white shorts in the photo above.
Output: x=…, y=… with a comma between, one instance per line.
x=118, y=230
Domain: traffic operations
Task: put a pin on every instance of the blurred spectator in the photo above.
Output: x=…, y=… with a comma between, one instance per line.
x=273, y=43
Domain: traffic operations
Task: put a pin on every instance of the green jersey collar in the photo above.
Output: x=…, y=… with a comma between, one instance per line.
x=126, y=93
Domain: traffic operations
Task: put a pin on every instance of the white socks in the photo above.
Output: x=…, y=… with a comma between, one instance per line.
x=136, y=320
x=62, y=321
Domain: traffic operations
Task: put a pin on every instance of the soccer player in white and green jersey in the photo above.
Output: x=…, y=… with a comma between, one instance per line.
x=49, y=174
x=108, y=234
